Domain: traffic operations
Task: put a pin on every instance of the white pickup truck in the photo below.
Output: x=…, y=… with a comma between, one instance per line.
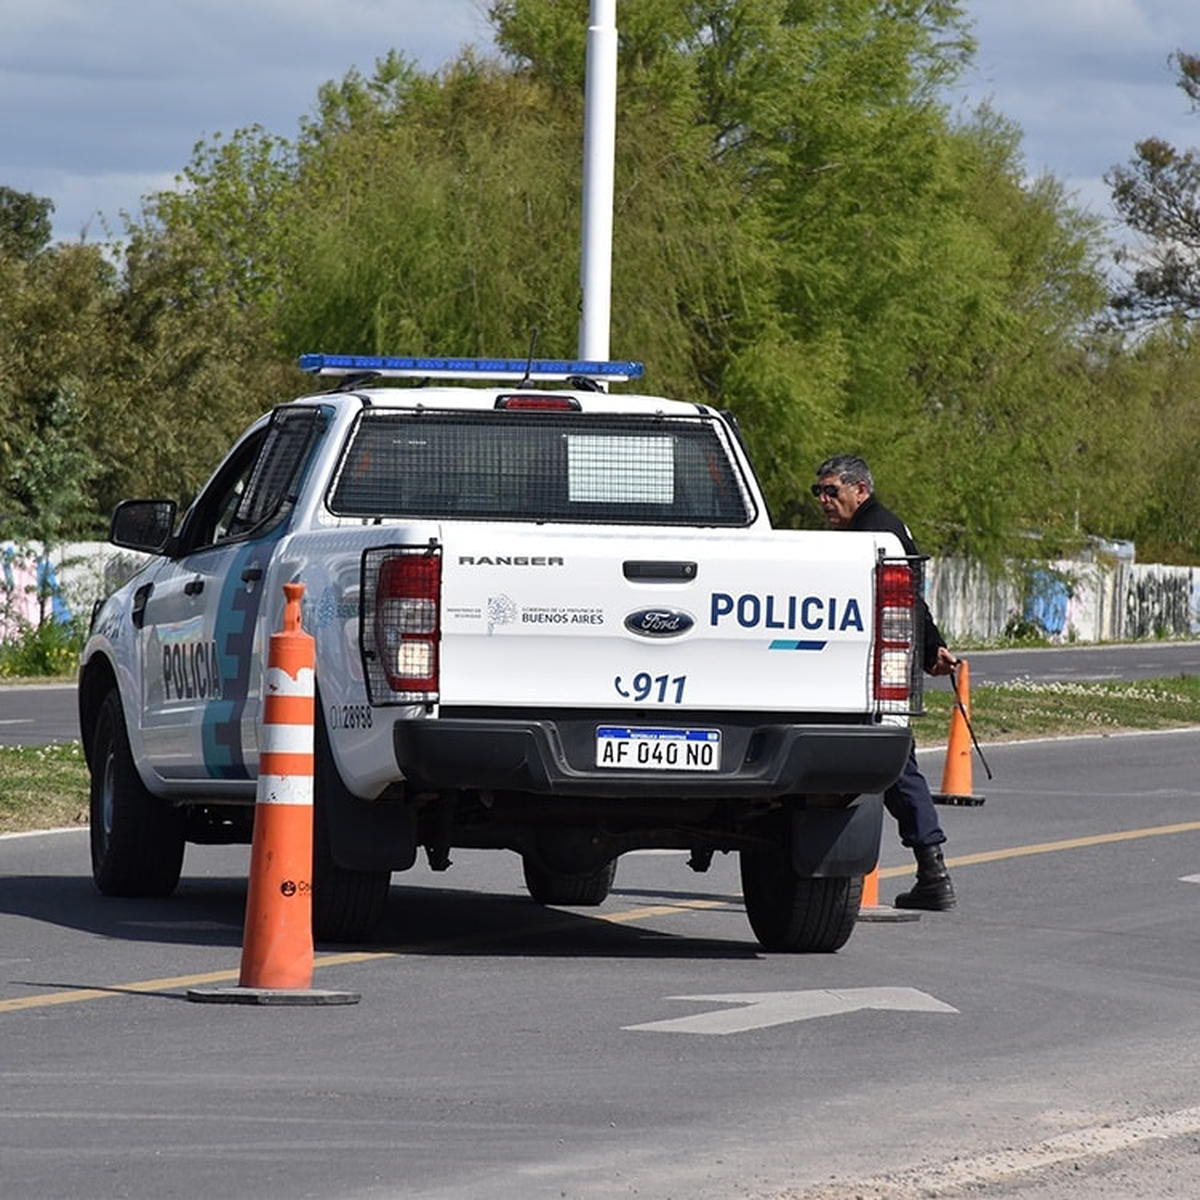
x=547, y=619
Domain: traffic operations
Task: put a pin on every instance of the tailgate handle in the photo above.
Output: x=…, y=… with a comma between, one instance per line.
x=663, y=572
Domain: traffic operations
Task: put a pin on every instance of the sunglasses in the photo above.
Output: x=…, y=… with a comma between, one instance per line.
x=826, y=489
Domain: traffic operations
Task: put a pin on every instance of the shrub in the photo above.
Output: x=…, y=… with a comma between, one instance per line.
x=51, y=648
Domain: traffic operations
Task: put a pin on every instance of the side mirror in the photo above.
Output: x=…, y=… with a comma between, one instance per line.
x=144, y=525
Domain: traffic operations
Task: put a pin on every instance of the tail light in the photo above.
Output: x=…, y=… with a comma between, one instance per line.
x=401, y=623
x=897, y=677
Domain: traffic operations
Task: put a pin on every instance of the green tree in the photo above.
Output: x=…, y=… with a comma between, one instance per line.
x=1157, y=195
x=802, y=234
x=1141, y=450
x=52, y=345
x=431, y=218
x=190, y=363
x=227, y=219
x=25, y=228
x=49, y=477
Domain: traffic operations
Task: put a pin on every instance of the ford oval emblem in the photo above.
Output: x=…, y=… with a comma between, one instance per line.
x=659, y=622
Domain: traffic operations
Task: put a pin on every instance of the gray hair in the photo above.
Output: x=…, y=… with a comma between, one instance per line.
x=849, y=468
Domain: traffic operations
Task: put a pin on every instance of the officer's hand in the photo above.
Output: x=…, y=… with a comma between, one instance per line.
x=944, y=663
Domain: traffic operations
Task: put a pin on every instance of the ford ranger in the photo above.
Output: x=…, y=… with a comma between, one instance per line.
x=548, y=618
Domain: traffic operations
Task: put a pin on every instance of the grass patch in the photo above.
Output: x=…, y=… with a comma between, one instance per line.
x=42, y=787
x=1003, y=712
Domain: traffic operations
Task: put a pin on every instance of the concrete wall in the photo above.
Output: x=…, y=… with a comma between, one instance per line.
x=1097, y=601
x=80, y=574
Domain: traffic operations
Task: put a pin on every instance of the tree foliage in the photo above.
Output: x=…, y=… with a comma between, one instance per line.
x=52, y=338
x=1151, y=379
x=803, y=234
x=1157, y=194
x=25, y=227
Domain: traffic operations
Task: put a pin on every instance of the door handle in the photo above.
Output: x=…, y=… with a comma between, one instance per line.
x=138, y=612
x=193, y=587
x=252, y=574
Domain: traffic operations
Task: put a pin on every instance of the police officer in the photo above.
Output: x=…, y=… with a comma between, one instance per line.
x=846, y=493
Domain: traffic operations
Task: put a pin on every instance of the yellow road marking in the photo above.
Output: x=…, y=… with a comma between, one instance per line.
x=350, y=958
x=1079, y=843
x=1098, y=839
x=75, y=995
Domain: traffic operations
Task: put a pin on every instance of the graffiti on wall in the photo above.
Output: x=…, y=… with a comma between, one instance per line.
x=1065, y=601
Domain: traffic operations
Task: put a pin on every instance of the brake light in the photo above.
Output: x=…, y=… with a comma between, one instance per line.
x=407, y=622
x=538, y=403
x=895, y=635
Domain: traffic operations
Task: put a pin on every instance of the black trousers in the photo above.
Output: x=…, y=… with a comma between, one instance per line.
x=910, y=802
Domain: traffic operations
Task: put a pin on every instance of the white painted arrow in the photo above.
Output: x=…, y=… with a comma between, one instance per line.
x=761, y=1009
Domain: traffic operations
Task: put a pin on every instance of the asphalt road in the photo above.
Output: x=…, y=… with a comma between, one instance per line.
x=1135, y=660
x=1042, y=1040
x=37, y=714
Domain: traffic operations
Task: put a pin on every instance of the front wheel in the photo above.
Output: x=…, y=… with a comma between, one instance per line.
x=797, y=914
x=584, y=890
x=137, y=839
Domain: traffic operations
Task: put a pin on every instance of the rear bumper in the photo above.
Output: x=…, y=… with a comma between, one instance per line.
x=556, y=756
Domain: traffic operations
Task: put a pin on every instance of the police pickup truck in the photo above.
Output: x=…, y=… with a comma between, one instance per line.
x=547, y=618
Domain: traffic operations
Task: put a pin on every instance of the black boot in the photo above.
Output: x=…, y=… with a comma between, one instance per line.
x=933, y=890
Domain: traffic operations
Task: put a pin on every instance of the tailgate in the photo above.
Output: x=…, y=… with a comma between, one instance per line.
x=700, y=619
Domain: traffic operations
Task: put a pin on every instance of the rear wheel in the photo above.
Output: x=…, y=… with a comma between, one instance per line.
x=137, y=839
x=797, y=914
x=584, y=890
x=347, y=904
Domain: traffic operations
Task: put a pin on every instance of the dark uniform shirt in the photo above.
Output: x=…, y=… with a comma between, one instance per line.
x=872, y=516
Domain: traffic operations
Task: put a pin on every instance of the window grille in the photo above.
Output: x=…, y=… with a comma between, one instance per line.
x=552, y=467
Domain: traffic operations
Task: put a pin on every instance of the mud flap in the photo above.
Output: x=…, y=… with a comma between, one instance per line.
x=834, y=842
x=364, y=835
x=371, y=836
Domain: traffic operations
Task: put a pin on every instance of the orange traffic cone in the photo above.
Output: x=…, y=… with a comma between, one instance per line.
x=870, y=895
x=277, y=950
x=956, y=779
x=871, y=910
x=277, y=945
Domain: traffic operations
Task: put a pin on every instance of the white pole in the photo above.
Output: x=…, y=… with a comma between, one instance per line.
x=599, y=152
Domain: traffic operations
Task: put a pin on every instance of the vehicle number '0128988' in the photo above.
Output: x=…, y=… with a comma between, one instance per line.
x=350, y=716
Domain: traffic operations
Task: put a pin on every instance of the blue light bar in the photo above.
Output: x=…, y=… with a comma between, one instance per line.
x=504, y=369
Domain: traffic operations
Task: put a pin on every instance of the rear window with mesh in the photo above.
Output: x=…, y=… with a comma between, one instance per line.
x=556, y=467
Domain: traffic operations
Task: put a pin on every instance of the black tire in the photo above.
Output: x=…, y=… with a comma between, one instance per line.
x=795, y=914
x=347, y=904
x=137, y=839
x=574, y=891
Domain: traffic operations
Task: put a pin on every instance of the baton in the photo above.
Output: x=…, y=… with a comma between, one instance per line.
x=962, y=708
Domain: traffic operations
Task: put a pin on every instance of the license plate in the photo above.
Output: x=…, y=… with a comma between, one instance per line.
x=658, y=749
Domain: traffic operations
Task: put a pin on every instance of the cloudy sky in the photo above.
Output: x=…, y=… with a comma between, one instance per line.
x=102, y=101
